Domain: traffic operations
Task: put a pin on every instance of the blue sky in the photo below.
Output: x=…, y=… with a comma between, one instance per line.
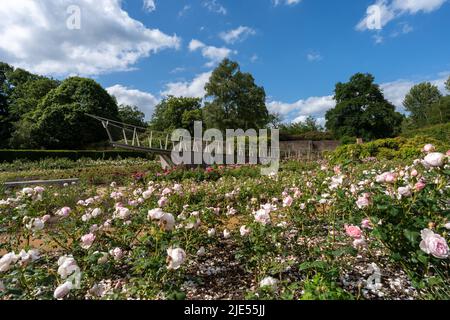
x=296, y=49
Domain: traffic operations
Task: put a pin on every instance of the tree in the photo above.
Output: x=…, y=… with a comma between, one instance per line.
x=5, y=123
x=176, y=113
x=234, y=101
x=419, y=101
x=310, y=124
x=60, y=120
x=447, y=84
x=362, y=111
x=440, y=111
x=132, y=115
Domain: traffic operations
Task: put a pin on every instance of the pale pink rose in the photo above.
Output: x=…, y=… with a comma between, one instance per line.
x=211, y=232
x=46, y=218
x=147, y=194
x=359, y=243
x=414, y=173
x=404, y=191
x=39, y=189
x=447, y=226
x=62, y=290
x=216, y=211
x=177, y=187
x=262, y=216
x=155, y=214
x=287, y=202
x=162, y=202
x=434, y=244
x=167, y=222
x=448, y=153
x=116, y=253
x=175, y=258
x=226, y=234
x=363, y=202
x=64, y=212
x=87, y=240
x=428, y=148
x=435, y=159
x=366, y=224
x=122, y=213
x=419, y=186
x=353, y=231
x=337, y=170
x=244, y=231
x=166, y=191
x=390, y=178
x=7, y=261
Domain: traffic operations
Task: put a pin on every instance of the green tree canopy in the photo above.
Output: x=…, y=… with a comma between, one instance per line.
x=176, y=113
x=362, y=111
x=60, y=120
x=419, y=101
x=300, y=127
x=234, y=100
x=132, y=115
x=447, y=84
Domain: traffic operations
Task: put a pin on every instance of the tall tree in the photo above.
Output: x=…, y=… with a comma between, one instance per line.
x=419, y=101
x=60, y=120
x=176, y=113
x=447, y=84
x=5, y=123
x=234, y=100
x=132, y=115
x=362, y=111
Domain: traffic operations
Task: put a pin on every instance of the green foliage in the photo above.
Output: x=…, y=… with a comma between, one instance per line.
x=36, y=155
x=447, y=84
x=362, y=110
x=234, y=101
x=321, y=288
x=60, y=120
x=132, y=115
x=176, y=113
x=440, y=132
x=419, y=102
x=301, y=127
x=385, y=149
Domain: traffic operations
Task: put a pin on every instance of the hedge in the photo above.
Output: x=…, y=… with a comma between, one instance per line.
x=36, y=155
x=439, y=132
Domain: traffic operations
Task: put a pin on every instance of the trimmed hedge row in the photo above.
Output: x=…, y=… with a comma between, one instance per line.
x=36, y=155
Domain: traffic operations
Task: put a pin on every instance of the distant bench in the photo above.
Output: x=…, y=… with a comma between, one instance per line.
x=39, y=182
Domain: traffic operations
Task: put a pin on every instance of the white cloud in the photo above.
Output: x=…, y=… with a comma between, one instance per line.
x=237, y=35
x=301, y=109
x=34, y=35
x=145, y=101
x=394, y=92
x=213, y=54
x=254, y=58
x=286, y=2
x=314, y=56
x=214, y=6
x=195, y=88
x=183, y=11
x=389, y=10
x=149, y=5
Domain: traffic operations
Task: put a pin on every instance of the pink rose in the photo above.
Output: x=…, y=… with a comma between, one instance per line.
x=428, y=148
x=366, y=224
x=287, y=202
x=363, y=202
x=434, y=244
x=414, y=173
x=162, y=202
x=87, y=241
x=353, y=231
x=420, y=186
x=64, y=212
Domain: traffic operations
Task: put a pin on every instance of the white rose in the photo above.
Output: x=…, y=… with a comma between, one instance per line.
x=435, y=159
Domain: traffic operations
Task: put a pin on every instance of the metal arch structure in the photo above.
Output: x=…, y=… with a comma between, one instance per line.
x=131, y=137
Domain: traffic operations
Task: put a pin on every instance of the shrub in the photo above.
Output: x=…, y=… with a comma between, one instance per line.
x=36, y=155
